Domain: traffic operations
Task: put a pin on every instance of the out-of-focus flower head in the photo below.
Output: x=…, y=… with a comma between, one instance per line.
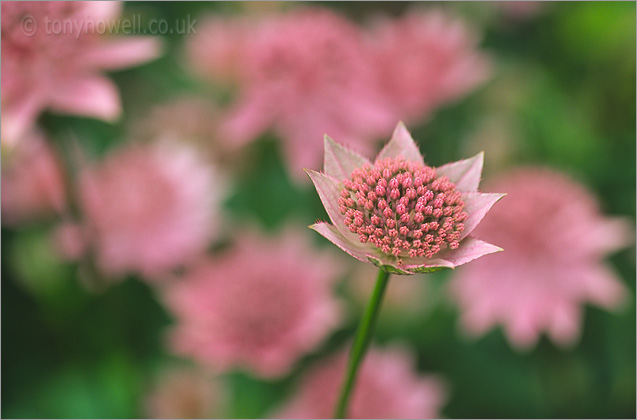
x=424, y=60
x=388, y=387
x=184, y=393
x=149, y=208
x=555, y=238
x=32, y=181
x=259, y=306
x=399, y=213
x=300, y=74
x=53, y=54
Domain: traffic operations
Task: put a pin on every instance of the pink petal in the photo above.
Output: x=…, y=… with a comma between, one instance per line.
x=121, y=53
x=469, y=250
x=252, y=115
x=329, y=190
x=356, y=250
x=102, y=11
x=602, y=286
x=612, y=234
x=564, y=323
x=477, y=205
x=427, y=265
x=18, y=118
x=401, y=144
x=92, y=96
x=339, y=161
x=464, y=173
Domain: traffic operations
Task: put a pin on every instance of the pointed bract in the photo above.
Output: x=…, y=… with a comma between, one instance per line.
x=401, y=144
x=464, y=173
x=470, y=249
x=333, y=235
x=329, y=191
x=477, y=205
x=340, y=162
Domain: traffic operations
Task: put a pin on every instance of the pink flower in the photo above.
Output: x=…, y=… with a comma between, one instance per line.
x=399, y=213
x=32, y=181
x=260, y=306
x=555, y=238
x=183, y=393
x=300, y=74
x=52, y=56
x=426, y=59
x=149, y=209
x=387, y=388
x=218, y=49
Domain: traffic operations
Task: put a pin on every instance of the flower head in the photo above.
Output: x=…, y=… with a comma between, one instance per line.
x=555, y=238
x=32, y=181
x=260, y=306
x=184, y=393
x=299, y=74
x=149, y=209
x=426, y=59
x=399, y=213
x=52, y=56
x=388, y=387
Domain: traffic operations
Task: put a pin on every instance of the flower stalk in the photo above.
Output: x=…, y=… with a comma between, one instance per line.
x=361, y=342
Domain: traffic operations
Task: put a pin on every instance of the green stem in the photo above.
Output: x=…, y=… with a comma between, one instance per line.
x=361, y=342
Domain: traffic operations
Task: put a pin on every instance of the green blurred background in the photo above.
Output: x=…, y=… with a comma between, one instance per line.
x=564, y=89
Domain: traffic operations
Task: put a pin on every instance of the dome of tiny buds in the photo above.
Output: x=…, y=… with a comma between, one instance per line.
x=402, y=208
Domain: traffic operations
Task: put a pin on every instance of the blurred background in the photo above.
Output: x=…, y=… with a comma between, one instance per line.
x=169, y=156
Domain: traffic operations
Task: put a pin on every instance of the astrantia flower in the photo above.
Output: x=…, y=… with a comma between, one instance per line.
x=149, y=208
x=299, y=75
x=425, y=60
x=32, y=181
x=260, y=306
x=52, y=57
x=399, y=213
x=388, y=388
x=184, y=393
x=555, y=238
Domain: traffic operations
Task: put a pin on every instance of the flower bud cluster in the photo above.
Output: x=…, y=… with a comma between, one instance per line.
x=403, y=208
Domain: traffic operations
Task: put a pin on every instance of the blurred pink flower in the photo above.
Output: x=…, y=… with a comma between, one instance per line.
x=218, y=50
x=150, y=208
x=555, y=238
x=399, y=213
x=388, y=387
x=260, y=306
x=424, y=60
x=300, y=74
x=52, y=56
x=32, y=181
x=183, y=393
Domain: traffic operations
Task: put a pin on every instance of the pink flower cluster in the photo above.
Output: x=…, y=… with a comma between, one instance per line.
x=184, y=393
x=399, y=213
x=149, y=209
x=308, y=72
x=555, y=238
x=428, y=213
x=387, y=388
x=259, y=306
x=32, y=182
x=46, y=68
x=424, y=60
